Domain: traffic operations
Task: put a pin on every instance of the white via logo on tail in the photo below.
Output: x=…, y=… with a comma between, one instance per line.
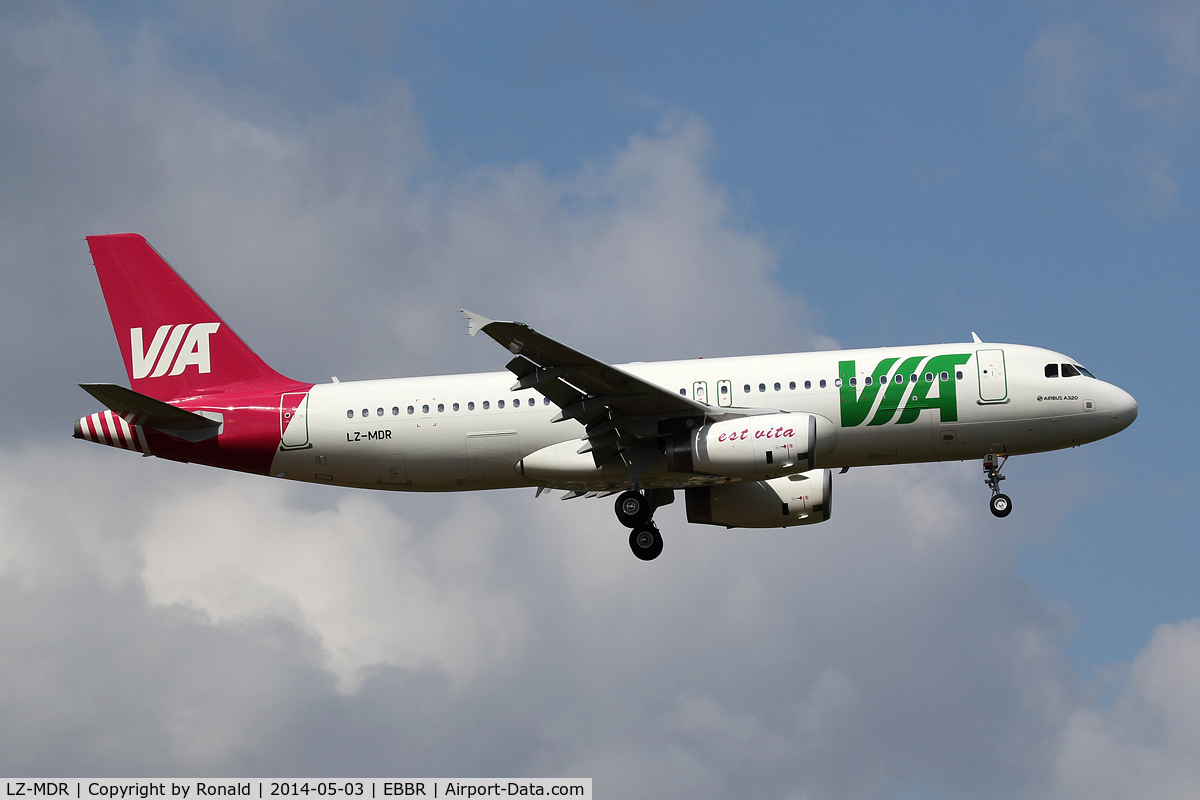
x=170, y=349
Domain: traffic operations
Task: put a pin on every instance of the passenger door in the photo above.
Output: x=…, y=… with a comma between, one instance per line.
x=993, y=385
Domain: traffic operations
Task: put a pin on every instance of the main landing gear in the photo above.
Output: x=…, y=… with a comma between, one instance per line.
x=1000, y=504
x=634, y=510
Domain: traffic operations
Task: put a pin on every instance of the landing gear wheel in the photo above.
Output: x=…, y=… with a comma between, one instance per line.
x=632, y=509
x=646, y=542
x=1001, y=506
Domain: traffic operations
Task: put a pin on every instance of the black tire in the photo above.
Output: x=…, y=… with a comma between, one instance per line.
x=646, y=542
x=1001, y=505
x=632, y=509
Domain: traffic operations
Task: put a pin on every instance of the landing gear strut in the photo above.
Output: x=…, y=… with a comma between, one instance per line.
x=1000, y=504
x=635, y=510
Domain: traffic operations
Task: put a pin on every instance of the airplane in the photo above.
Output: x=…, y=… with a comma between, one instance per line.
x=751, y=441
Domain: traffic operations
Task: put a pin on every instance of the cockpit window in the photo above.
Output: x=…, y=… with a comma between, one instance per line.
x=1085, y=372
x=1052, y=370
x=1069, y=371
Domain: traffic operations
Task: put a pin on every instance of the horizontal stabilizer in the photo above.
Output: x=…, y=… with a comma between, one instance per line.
x=138, y=409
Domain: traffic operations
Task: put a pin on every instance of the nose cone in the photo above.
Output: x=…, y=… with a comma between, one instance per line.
x=1124, y=409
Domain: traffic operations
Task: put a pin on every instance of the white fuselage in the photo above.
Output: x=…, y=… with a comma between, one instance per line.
x=465, y=432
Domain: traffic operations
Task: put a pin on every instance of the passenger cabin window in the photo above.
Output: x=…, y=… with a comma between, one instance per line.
x=747, y=388
x=883, y=378
x=1069, y=371
x=471, y=406
x=455, y=406
x=867, y=381
x=777, y=387
x=899, y=378
x=854, y=381
x=808, y=384
x=792, y=386
x=1052, y=370
x=762, y=387
x=516, y=402
x=684, y=392
x=441, y=407
x=366, y=412
x=929, y=377
x=499, y=404
x=425, y=409
x=379, y=412
x=958, y=375
x=486, y=405
x=350, y=414
x=395, y=411
x=411, y=409
x=945, y=376
x=836, y=382
x=545, y=401
x=822, y=383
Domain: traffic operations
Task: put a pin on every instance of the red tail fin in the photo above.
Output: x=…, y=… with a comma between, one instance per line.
x=172, y=342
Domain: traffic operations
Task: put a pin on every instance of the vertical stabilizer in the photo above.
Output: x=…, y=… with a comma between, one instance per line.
x=172, y=342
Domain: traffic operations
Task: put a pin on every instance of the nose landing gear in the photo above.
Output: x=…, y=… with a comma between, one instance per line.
x=635, y=510
x=1000, y=504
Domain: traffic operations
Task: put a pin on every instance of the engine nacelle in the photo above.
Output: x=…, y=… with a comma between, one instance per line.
x=800, y=499
x=768, y=444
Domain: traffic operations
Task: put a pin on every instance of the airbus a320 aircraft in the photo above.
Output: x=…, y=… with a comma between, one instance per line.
x=751, y=441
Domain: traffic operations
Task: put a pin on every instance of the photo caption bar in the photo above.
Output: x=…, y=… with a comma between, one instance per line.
x=258, y=788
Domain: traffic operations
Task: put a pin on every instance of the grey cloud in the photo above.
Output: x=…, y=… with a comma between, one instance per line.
x=170, y=619
x=297, y=232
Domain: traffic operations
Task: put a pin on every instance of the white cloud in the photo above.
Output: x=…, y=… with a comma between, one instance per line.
x=371, y=587
x=1147, y=743
x=1062, y=67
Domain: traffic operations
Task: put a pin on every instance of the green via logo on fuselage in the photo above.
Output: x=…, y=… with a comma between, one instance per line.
x=908, y=389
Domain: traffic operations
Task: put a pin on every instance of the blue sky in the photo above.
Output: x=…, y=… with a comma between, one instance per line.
x=764, y=178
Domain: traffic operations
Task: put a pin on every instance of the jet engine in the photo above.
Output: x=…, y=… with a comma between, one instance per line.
x=755, y=446
x=800, y=499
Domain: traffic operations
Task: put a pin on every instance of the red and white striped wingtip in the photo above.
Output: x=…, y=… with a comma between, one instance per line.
x=107, y=428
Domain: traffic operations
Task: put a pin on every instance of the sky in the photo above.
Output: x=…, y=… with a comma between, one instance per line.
x=642, y=180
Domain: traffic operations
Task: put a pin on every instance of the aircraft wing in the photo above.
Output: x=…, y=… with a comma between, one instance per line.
x=582, y=386
x=614, y=405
